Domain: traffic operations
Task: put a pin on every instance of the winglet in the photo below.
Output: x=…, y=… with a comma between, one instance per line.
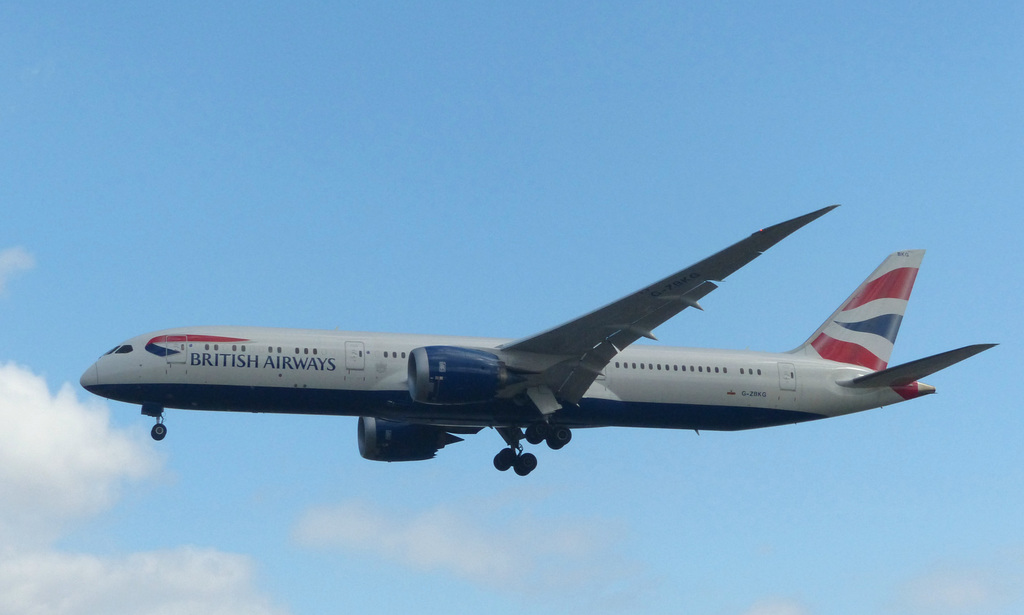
x=778, y=232
x=727, y=261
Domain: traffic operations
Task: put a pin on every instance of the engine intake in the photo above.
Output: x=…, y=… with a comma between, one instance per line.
x=453, y=375
x=384, y=440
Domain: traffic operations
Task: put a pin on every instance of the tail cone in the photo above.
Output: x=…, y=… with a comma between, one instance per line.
x=914, y=389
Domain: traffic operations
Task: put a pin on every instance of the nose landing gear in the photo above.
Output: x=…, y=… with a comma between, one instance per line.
x=159, y=431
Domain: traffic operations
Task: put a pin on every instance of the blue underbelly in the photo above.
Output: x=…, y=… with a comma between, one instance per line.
x=398, y=405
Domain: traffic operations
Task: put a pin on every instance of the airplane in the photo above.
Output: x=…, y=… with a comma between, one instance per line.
x=416, y=394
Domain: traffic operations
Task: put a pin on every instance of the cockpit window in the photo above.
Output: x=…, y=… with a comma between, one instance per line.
x=111, y=351
x=124, y=349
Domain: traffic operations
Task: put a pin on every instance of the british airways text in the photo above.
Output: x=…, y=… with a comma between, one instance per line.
x=251, y=361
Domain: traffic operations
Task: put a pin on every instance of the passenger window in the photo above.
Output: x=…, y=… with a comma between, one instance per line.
x=403, y=355
x=641, y=366
x=700, y=369
x=716, y=370
x=314, y=350
x=659, y=367
x=305, y=351
x=758, y=372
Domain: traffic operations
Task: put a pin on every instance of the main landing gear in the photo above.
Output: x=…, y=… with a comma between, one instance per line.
x=556, y=436
x=513, y=457
x=522, y=463
x=159, y=431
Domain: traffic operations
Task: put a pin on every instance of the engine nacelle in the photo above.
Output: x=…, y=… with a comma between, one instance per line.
x=454, y=375
x=384, y=440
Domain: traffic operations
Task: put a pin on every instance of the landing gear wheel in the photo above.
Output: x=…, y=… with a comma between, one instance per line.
x=158, y=432
x=505, y=459
x=559, y=437
x=537, y=433
x=525, y=464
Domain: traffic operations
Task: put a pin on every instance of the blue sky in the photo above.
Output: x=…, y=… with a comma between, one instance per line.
x=464, y=168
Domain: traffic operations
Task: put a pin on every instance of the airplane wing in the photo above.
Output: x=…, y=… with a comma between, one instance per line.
x=590, y=341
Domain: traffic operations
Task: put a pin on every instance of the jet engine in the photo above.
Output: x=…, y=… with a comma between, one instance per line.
x=384, y=440
x=453, y=375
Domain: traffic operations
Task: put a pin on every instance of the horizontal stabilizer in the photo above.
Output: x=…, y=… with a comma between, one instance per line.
x=907, y=373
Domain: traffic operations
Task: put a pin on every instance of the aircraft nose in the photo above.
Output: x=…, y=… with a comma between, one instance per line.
x=90, y=378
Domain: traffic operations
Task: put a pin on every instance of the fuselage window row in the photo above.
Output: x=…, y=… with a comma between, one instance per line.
x=272, y=350
x=675, y=368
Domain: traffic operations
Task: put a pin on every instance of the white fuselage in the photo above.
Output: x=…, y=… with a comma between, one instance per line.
x=352, y=373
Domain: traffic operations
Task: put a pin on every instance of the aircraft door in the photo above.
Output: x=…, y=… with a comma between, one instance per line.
x=354, y=355
x=176, y=354
x=177, y=348
x=787, y=377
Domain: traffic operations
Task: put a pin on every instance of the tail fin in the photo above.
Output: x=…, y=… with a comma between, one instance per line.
x=863, y=330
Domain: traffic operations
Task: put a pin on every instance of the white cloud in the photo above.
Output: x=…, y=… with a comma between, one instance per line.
x=777, y=606
x=433, y=540
x=59, y=458
x=185, y=580
x=956, y=589
x=62, y=461
x=545, y=556
x=13, y=261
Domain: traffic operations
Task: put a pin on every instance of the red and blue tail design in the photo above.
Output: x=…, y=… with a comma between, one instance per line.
x=863, y=330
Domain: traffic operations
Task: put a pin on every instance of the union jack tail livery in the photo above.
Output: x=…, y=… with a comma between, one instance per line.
x=863, y=330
